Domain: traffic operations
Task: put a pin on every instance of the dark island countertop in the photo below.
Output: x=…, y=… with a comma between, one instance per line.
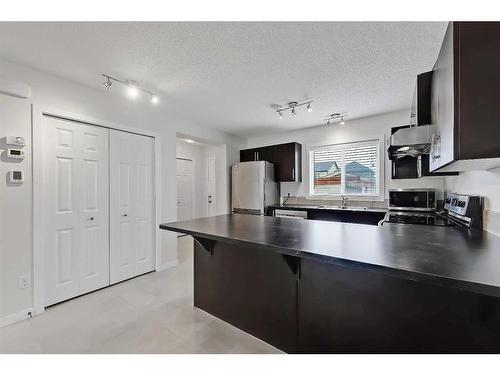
x=447, y=256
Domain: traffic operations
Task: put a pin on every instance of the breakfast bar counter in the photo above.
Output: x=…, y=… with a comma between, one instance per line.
x=324, y=287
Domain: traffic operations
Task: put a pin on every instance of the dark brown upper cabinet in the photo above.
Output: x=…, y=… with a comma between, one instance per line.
x=465, y=98
x=286, y=157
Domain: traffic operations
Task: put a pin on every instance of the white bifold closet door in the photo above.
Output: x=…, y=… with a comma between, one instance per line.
x=132, y=232
x=75, y=163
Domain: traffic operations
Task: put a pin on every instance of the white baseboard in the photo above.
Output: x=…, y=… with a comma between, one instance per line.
x=16, y=317
x=169, y=264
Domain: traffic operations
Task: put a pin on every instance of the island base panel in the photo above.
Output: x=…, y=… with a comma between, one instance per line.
x=355, y=310
x=250, y=288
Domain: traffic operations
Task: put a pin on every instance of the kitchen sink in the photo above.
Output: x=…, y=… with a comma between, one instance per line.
x=354, y=208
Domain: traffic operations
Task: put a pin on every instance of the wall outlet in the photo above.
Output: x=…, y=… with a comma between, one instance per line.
x=24, y=281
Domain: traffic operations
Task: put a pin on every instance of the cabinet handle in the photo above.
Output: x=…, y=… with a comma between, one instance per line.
x=124, y=215
x=258, y=156
x=293, y=174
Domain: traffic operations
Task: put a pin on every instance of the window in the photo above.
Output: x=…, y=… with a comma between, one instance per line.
x=345, y=169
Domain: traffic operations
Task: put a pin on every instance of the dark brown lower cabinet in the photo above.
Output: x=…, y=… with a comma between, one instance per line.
x=308, y=306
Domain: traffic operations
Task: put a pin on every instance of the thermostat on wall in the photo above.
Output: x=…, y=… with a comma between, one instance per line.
x=15, y=177
x=14, y=153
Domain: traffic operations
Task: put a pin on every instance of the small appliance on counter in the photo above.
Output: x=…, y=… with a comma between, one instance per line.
x=418, y=206
x=254, y=187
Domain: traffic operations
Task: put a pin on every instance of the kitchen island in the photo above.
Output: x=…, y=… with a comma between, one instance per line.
x=323, y=287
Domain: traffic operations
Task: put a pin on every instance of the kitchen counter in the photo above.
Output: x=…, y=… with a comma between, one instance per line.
x=306, y=207
x=308, y=286
x=445, y=255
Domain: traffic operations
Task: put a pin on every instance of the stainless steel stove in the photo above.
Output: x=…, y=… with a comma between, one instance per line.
x=422, y=218
x=459, y=210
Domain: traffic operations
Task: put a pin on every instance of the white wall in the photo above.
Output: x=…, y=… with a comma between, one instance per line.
x=368, y=128
x=58, y=93
x=15, y=210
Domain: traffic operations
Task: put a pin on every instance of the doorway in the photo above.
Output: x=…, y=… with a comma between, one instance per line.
x=184, y=176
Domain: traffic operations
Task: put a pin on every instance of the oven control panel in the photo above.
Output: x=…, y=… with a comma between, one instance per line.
x=464, y=205
x=457, y=203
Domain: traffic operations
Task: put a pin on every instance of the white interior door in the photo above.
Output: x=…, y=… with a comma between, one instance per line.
x=211, y=187
x=132, y=231
x=75, y=188
x=184, y=176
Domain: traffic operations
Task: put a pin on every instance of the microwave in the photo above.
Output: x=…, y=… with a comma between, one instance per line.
x=412, y=199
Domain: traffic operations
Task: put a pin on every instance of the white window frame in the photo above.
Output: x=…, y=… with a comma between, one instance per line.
x=379, y=196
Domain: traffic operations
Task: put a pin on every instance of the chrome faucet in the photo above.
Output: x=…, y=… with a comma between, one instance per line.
x=344, y=201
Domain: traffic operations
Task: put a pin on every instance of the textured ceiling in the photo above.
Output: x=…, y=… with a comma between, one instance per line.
x=226, y=75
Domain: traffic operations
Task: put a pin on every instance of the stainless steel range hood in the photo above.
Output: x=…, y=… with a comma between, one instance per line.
x=411, y=141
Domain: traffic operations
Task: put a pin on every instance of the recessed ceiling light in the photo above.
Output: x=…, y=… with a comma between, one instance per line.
x=189, y=140
x=154, y=99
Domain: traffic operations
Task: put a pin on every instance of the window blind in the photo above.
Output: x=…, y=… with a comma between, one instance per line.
x=351, y=169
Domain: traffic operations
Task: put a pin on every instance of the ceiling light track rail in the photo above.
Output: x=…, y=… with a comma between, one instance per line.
x=291, y=106
x=334, y=117
x=133, y=87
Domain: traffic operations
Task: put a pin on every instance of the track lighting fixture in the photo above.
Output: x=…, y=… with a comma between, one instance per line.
x=133, y=89
x=292, y=107
x=334, y=117
x=107, y=84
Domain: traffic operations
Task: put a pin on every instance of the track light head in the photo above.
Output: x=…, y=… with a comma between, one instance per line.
x=293, y=111
x=280, y=115
x=328, y=123
x=155, y=99
x=309, y=108
x=107, y=84
x=342, y=120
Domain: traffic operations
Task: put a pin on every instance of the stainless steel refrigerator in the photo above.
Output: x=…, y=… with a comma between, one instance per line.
x=253, y=187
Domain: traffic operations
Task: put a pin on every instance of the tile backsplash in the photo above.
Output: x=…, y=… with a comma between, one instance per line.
x=334, y=202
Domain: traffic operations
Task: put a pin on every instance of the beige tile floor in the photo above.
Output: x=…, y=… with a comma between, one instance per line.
x=153, y=313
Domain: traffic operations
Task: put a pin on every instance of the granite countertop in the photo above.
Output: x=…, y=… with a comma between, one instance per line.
x=447, y=256
x=306, y=207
